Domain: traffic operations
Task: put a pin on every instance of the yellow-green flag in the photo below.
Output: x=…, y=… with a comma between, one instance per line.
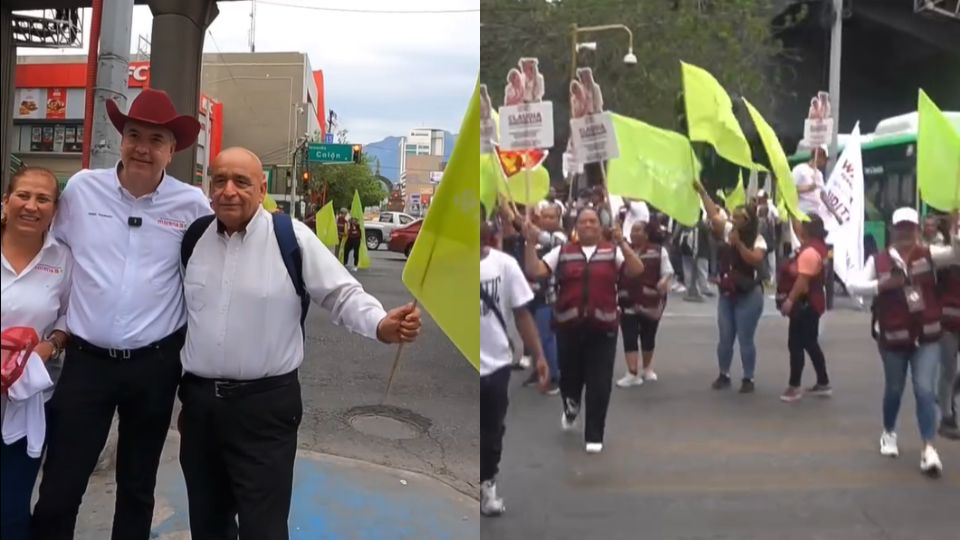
x=736, y=197
x=938, y=157
x=327, y=225
x=443, y=271
x=516, y=185
x=710, y=116
x=657, y=166
x=489, y=178
x=787, y=198
x=269, y=204
x=356, y=211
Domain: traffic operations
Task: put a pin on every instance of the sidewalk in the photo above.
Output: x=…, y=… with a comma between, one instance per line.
x=333, y=498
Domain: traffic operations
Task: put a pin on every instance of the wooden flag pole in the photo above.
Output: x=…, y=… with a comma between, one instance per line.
x=396, y=359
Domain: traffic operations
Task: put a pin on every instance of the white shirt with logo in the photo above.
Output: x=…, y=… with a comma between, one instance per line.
x=502, y=279
x=127, y=288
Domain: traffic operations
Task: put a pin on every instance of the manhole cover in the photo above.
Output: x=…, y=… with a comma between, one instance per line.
x=387, y=422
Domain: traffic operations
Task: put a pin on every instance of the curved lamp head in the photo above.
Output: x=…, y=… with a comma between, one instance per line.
x=630, y=59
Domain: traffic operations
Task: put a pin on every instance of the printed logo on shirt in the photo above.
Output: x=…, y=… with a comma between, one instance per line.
x=47, y=269
x=172, y=223
x=99, y=214
x=492, y=287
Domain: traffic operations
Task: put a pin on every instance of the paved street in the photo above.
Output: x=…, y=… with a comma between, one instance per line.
x=682, y=461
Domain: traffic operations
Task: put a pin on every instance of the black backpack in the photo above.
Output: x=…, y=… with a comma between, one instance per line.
x=289, y=251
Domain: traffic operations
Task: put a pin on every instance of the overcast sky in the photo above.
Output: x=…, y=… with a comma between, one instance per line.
x=384, y=73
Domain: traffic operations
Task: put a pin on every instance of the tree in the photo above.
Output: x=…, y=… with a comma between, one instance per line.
x=343, y=180
x=734, y=39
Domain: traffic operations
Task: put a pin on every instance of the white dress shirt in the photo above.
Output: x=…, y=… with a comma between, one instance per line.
x=868, y=285
x=127, y=289
x=243, y=313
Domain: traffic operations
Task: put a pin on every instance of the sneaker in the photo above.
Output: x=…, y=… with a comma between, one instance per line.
x=490, y=504
x=747, y=387
x=709, y=293
x=594, y=447
x=820, y=390
x=553, y=389
x=568, y=418
x=629, y=379
x=649, y=375
x=948, y=428
x=930, y=462
x=888, y=445
x=525, y=362
x=722, y=382
x=567, y=423
x=792, y=393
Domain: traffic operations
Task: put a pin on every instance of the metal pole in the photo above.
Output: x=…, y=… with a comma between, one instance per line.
x=573, y=52
x=112, y=75
x=836, y=42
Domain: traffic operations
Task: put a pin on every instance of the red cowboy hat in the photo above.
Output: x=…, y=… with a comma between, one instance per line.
x=153, y=107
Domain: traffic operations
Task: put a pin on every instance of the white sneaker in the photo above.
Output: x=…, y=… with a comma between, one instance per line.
x=594, y=447
x=565, y=424
x=888, y=445
x=649, y=375
x=490, y=504
x=629, y=379
x=525, y=362
x=930, y=461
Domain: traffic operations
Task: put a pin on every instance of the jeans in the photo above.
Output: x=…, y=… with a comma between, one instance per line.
x=494, y=400
x=737, y=319
x=695, y=275
x=947, y=392
x=548, y=340
x=18, y=474
x=924, y=363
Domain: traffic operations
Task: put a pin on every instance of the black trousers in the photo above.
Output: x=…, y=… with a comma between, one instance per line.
x=353, y=244
x=804, y=336
x=638, y=328
x=92, y=387
x=493, y=411
x=586, y=358
x=237, y=453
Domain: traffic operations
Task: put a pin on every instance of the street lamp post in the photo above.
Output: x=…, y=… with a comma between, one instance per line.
x=575, y=30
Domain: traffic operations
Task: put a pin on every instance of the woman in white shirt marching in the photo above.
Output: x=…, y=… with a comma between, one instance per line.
x=36, y=277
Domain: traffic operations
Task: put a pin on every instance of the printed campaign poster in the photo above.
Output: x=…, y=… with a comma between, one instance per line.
x=526, y=121
x=818, y=127
x=591, y=129
x=844, y=199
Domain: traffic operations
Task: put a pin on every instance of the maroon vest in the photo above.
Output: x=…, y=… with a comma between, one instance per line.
x=735, y=275
x=639, y=295
x=787, y=277
x=948, y=283
x=587, y=290
x=898, y=327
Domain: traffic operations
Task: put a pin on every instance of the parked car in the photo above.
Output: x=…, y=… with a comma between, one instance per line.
x=402, y=239
x=379, y=231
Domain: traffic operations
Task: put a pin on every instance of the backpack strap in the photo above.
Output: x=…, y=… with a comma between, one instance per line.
x=192, y=236
x=492, y=306
x=293, y=260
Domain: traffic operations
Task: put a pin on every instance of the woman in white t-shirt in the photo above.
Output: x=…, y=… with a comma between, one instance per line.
x=503, y=289
x=35, y=284
x=740, y=306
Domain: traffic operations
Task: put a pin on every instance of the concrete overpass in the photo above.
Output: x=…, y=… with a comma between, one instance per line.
x=178, y=32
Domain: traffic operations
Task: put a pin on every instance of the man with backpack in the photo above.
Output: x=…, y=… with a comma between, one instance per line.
x=248, y=279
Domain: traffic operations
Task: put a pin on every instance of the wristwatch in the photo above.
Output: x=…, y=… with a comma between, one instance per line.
x=57, y=347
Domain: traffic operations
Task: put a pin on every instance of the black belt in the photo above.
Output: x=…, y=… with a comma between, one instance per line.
x=231, y=388
x=173, y=340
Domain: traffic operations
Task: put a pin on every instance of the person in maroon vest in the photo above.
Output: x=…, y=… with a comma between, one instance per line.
x=585, y=315
x=642, y=301
x=741, y=253
x=948, y=283
x=801, y=296
x=907, y=326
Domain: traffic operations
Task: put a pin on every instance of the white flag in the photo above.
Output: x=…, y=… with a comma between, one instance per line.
x=843, y=210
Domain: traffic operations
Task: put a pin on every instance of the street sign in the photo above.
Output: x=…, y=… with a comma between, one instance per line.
x=330, y=153
x=328, y=138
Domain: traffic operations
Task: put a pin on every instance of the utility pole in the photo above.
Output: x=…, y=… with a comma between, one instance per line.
x=112, y=74
x=253, y=25
x=836, y=42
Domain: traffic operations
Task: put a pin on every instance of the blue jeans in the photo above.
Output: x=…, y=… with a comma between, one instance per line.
x=548, y=340
x=18, y=474
x=737, y=319
x=924, y=364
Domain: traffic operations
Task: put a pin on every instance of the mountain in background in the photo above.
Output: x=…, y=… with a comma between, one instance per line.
x=387, y=151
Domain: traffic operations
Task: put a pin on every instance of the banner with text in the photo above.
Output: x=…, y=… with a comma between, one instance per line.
x=843, y=200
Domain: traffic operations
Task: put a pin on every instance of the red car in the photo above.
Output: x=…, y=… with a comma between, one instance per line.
x=402, y=238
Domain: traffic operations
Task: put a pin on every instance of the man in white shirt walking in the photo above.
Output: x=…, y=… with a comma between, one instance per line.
x=808, y=178
x=126, y=317
x=245, y=343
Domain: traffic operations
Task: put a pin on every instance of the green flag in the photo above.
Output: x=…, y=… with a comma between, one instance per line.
x=710, y=116
x=356, y=211
x=269, y=204
x=736, y=197
x=657, y=166
x=327, y=225
x=489, y=177
x=787, y=197
x=938, y=157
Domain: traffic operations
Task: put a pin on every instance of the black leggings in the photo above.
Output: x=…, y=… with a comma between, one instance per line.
x=803, y=336
x=638, y=327
x=493, y=411
x=586, y=360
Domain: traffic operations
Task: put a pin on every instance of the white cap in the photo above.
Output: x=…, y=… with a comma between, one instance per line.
x=826, y=150
x=905, y=215
x=761, y=194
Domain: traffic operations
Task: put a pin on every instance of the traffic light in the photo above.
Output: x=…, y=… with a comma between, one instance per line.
x=357, y=153
x=306, y=177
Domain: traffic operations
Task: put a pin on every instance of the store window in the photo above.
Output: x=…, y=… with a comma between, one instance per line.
x=56, y=138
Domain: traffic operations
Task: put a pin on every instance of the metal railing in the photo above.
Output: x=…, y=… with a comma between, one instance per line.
x=48, y=28
x=946, y=8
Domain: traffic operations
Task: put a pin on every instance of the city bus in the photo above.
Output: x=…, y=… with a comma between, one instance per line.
x=889, y=171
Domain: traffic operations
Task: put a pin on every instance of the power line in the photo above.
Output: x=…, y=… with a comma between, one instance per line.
x=374, y=11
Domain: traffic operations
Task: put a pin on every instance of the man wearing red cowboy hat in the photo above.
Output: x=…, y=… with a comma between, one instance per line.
x=126, y=315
